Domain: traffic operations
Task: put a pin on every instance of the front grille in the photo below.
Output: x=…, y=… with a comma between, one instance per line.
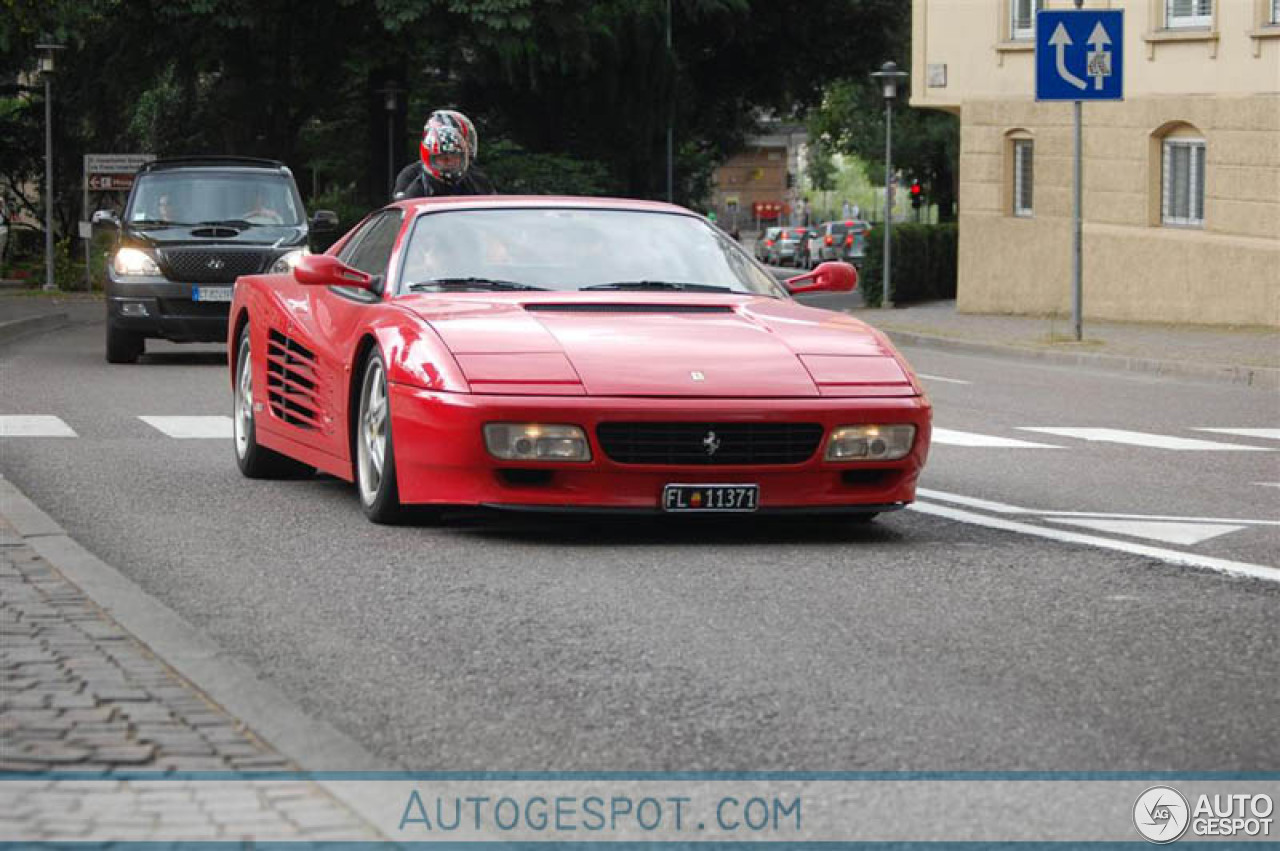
x=292, y=383
x=692, y=443
x=181, y=307
x=212, y=266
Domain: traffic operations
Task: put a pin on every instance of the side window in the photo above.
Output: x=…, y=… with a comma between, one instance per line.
x=370, y=250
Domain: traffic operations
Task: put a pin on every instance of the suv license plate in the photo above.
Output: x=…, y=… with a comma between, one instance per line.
x=211, y=293
x=711, y=498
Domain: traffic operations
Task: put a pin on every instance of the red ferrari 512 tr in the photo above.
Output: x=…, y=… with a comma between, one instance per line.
x=568, y=354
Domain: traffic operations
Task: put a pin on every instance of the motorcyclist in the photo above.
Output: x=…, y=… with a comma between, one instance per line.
x=446, y=164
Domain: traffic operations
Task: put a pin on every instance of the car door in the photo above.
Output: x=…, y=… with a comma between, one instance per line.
x=328, y=327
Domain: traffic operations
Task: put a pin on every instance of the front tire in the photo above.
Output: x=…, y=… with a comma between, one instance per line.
x=254, y=460
x=375, y=450
x=124, y=346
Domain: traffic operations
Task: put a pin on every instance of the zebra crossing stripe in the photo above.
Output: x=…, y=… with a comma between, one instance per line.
x=948, y=437
x=34, y=426
x=1141, y=438
x=186, y=428
x=1265, y=433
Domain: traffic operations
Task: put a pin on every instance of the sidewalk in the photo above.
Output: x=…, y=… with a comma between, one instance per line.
x=80, y=694
x=1249, y=356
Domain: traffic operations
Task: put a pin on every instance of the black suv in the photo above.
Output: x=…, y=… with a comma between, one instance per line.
x=191, y=226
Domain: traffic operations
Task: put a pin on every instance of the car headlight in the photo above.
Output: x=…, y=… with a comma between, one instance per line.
x=870, y=442
x=536, y=442
x=285, y=262
x=131, y=261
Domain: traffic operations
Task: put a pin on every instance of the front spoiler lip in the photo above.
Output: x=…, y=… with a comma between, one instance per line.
x=782, y=510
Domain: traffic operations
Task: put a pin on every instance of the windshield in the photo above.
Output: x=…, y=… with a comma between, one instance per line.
x=190, y=198
x=572, y=249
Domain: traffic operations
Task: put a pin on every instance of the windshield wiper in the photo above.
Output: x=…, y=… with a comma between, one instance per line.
x=154, y=223
x=658, y=285
x=443, y=284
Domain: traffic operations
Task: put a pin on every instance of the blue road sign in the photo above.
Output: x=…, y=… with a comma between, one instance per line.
x=1080, y=55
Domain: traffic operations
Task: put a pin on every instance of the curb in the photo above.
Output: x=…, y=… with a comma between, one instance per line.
x=311, y=744
x=13, y=329
x=1261, y=376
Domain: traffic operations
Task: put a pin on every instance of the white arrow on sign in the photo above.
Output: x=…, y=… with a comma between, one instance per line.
x=1099, y=59
x=1061, y=41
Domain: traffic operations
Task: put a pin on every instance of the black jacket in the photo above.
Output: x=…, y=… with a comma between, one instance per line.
x=414, y=182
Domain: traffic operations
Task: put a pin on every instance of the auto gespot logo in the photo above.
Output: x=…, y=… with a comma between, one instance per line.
x=1162, y=815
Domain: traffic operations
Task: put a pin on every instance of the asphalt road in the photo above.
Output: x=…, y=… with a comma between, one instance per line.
x=918, y=642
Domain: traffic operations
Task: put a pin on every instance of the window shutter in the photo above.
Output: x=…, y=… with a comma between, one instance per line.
x=1195, y=185
x=1166, y=189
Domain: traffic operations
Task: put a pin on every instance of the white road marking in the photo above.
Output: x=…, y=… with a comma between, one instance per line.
x=947, y=437
x=1176, y=557
x=1141, y=438
x=972, y=501
x=217, y=427
x=1266, y=433
x=15, y=425
x=1268, y=484
x=1006, y=508
x=1186, y=534
x=940, y=378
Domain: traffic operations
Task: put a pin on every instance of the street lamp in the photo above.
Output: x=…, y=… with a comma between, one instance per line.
x=391, y=102
x=888, y=76
x=48, y=48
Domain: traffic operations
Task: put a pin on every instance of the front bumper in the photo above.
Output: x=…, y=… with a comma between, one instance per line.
x=170, y=312
x=441, y=458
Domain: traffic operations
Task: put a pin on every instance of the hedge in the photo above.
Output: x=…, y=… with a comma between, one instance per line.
x=924, y=263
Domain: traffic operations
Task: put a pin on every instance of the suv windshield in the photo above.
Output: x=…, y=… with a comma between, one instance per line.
x=192, y=198
x=574, y=249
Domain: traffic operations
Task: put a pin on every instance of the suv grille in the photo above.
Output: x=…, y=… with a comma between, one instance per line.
x=212, y=266
x=692, y=443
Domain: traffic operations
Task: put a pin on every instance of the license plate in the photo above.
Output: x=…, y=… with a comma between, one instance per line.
x=715, y=498
x=211, y=293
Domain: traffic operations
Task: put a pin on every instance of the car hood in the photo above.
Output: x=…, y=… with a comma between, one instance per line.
x=649, y=344
x=210, y=235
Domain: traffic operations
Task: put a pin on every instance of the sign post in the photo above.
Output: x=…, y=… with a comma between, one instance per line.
x=1079, y=57
x=105, y=173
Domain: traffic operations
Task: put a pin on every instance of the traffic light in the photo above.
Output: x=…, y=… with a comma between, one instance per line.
x=917, y=195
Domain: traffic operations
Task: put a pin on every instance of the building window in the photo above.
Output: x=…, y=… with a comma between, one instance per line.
x=1275, y=11
x=1183, y=182
x=1023, y=176
x=1022, y=19
x=1180, y=14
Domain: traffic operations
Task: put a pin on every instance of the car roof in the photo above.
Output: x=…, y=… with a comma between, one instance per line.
x=214, y=162
x=517, y=202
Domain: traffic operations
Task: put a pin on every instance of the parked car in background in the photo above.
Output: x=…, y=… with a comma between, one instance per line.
x=840, y=240
x=785, y=250
x=764, y=242
x=191, y=227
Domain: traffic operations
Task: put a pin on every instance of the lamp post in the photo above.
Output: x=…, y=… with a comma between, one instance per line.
x=888, y=76
x=48, y=48
x=391, y=103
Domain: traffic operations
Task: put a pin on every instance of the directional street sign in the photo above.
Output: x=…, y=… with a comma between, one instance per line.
x=1080, y=55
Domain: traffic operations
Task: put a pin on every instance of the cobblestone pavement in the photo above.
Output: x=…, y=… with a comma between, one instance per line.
x=78, y=693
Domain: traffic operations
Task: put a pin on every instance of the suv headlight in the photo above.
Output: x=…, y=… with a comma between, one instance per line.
x=536, y=442
x=285, y=262
x=132, y=262
x=870, y=442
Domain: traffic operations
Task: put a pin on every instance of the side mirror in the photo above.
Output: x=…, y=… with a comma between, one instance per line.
x=324, y=221
x=105, y=218
x=829, y=277
x=325, y=270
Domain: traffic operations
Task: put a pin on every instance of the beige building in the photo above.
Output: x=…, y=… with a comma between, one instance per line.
x=1181, y=179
